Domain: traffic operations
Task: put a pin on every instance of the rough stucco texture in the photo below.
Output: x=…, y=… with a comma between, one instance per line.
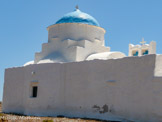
x=103, y=89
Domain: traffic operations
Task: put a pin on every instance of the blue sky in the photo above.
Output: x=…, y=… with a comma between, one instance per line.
x=23, y=25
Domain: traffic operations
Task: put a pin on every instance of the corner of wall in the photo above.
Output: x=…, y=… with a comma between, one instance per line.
x=158, y=66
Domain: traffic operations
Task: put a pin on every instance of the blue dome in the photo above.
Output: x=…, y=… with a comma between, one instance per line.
x=78, y=17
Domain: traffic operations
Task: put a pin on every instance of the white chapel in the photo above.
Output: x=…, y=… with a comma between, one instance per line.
x=76, y=75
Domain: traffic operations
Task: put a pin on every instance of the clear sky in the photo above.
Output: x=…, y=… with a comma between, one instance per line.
x=23, y=25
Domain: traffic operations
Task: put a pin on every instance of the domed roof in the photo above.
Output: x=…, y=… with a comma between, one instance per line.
x=78, y=17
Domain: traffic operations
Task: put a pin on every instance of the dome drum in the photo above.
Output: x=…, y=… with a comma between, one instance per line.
x=75, y=31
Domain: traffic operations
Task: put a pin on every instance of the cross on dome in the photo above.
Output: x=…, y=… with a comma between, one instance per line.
x=77, y=7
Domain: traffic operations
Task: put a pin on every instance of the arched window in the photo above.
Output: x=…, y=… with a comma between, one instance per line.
x=145, y=52
x=135, y=53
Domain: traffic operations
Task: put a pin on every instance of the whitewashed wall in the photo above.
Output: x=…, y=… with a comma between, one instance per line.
x=69, y=42
x=103, y=89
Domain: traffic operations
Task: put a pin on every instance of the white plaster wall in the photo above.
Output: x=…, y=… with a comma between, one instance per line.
x=68, y=42
x=122, y=88
x=158, y=66
x=76, y=31
x=13, y=90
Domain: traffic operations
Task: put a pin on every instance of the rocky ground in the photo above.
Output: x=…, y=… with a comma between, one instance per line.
x=19, y=118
